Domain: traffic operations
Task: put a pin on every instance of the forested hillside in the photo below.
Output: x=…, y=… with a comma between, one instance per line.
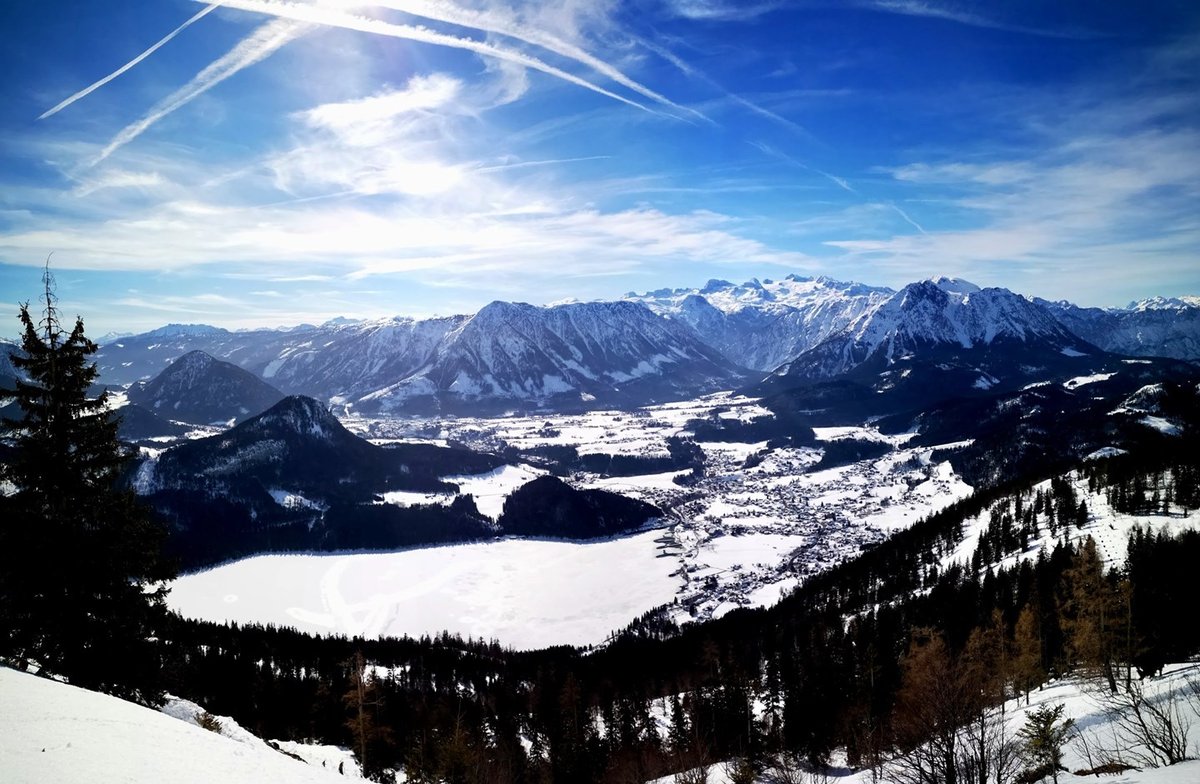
x=852, y=660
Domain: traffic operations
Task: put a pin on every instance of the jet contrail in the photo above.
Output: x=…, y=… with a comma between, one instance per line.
x=257, y=46
x=88, y=90
x=332, y=18
x=505, y=24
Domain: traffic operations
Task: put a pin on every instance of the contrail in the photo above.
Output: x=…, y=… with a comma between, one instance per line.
x=88, y=90
x=906, y=217
x=505, y=24
x=257, y=46
x=528, y=164
x=331, y=18
x=841, y=182
x=688, y=70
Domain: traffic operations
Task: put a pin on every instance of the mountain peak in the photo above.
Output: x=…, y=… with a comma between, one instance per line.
x=186, y=330
x=1165, y=303
x=201, y=389
x=716, y=284
x=954, y=285
x=298, y=414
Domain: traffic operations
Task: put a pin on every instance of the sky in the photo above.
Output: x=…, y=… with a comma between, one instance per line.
x=271, y=162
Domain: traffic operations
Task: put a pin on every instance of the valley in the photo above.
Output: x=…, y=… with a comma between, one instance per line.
x=741, y=531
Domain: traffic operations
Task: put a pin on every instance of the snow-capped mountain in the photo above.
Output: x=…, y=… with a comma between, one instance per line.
x=762, y=324
x=1156, y=327
x=614, y=352
x=200, y=389
x=507, y=353
x=665, y=344
x=946, y=314
x=340, y=357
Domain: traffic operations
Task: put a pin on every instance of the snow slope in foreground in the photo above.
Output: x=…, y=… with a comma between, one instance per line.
x=52, y=732
x=525, y=593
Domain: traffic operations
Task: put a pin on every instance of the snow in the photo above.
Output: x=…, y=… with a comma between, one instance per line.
x=53, y=732
x=525, y=593
x=734, y=552
x=821, y=518
x=1070, y=352
x=1109, y=528
x=290, y=500
x=1082, y=702
x=635, y=485
x=1162, y=425
x=492, y=489
x=408, y=498
x=1079, y=381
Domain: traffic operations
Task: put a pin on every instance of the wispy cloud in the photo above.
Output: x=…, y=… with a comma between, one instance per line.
x=119, y=178
x=719, y=10
x=334, y=18
x=1095, y=201
x=951, y=13
x=390, y=142
x=549, y=162
x=841, y=182
x=161, y=42
x=259, y=45
x=504, y=22
x=692, y=72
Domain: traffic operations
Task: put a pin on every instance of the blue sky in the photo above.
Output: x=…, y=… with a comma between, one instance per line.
x=272, y=162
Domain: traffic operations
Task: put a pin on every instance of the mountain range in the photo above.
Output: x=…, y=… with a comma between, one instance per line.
x=661, y=345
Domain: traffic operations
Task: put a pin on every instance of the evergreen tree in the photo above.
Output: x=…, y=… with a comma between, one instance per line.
x=1044, y=734
x=80, y=562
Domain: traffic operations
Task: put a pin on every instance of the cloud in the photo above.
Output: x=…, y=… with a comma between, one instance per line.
x=951, y=14
x=119, y=178
x=393, y=142
x=333, y=18
x=531, y=248
x=719, y=10
x=369, y=121
x=97, y=85
x=504, y=22
x=1096, y=202
x=259, y=45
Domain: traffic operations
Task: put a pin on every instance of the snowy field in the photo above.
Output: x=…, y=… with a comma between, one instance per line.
x=748, y=531
x=52, y=732
x=525, y=593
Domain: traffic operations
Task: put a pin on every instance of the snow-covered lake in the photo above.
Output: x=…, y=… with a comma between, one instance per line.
x=525, y=593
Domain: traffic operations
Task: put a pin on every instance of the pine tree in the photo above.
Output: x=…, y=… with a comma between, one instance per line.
x=1044, y=734
x=80, y=562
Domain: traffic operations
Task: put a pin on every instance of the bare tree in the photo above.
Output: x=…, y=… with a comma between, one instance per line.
x=1150, y=729
x=787, y=768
